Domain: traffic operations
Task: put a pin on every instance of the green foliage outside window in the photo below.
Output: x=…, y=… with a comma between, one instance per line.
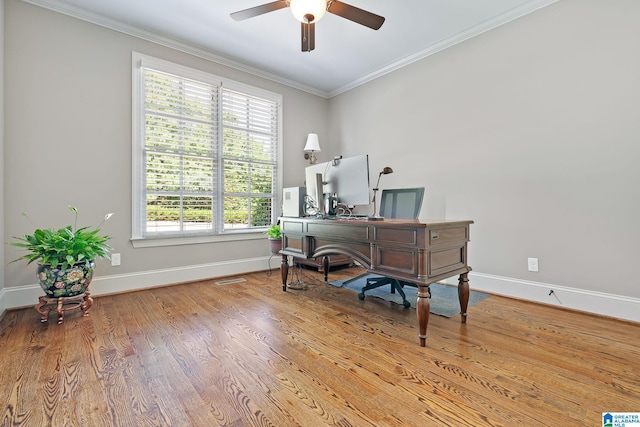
x=182, y=154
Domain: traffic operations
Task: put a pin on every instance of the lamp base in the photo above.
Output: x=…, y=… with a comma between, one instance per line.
x=375, y=218
x=311, y=158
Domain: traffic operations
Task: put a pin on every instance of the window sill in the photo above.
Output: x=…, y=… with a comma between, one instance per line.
x=150, y=242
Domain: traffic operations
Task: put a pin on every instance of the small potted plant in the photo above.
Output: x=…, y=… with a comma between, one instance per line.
x=275, y=238
x=66, y=257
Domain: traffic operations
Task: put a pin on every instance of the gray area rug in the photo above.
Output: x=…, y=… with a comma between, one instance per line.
x=444, y=298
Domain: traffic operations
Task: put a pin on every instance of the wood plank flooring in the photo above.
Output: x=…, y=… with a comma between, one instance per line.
x=248, y=354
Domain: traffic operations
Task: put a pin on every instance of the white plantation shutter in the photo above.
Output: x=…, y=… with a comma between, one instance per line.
x=181, y=145
x=250, y=131
x=208, y=158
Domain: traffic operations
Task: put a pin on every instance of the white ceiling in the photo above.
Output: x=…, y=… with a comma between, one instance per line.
x=346, y=54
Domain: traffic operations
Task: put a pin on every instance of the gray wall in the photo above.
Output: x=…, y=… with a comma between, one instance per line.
x=2, y=303
x=68, y=138
x=533, y=131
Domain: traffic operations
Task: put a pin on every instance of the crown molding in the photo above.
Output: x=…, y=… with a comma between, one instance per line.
x=485, y=26
x=188, y=48
x=200, y=52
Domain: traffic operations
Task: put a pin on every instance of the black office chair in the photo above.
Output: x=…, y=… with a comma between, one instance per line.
x=398, y=203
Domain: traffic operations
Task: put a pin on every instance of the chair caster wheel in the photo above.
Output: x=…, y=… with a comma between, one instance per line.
x=406, y=304
x=360, y=296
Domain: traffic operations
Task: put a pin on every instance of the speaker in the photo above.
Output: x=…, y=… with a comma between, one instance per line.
x=293, y=201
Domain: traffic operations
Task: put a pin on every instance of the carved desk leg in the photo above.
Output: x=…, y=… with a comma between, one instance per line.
x=463, y=296
x=423, y=306
x=284, y=271
x=42, y=309
x=325, y=263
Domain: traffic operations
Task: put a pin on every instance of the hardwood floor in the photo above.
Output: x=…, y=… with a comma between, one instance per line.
x=248, y=354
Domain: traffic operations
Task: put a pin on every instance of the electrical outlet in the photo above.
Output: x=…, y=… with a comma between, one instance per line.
x=115, y=260
x=532, y=264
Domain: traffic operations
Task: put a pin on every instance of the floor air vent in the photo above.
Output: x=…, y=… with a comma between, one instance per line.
x=231, y=281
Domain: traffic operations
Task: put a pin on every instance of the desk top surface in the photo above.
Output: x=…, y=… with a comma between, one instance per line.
x=386, y=221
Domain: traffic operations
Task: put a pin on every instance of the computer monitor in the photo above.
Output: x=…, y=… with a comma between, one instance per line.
x=347, y=178
x=350, y=180
x=314, y=178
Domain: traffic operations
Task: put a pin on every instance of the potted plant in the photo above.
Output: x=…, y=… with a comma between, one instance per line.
x=275, y=238
x=66, y=257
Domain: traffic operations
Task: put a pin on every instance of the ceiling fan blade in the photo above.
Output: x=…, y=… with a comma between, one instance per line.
x=355, y=14
x=308, y=36
x=259, y=10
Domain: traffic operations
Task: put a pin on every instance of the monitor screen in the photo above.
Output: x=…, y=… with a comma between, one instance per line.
x=348, y=178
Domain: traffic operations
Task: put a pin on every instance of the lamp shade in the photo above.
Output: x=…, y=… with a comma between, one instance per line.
x=301, y=8
x=312, y=143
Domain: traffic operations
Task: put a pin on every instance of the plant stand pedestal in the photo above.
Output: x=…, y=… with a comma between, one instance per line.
x=82, y=301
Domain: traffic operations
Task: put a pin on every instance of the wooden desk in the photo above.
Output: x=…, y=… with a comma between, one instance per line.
x=410, y=250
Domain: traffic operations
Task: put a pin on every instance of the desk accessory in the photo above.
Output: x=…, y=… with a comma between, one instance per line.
x=375, y=217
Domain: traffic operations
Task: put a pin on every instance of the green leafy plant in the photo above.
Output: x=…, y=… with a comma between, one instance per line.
x=66, y=246
x=274, y=232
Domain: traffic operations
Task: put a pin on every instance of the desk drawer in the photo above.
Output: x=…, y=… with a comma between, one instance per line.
x=445, y=260
x=403, y=236
x=295, y=245
x=445, y=236
x=396, y=260
x=329, y=228
x=291, y=226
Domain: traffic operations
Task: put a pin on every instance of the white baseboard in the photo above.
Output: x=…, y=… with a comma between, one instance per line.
x=25, y=296
x=620, y=307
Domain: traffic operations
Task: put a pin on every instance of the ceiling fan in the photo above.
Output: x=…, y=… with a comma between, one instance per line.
x=308, y=12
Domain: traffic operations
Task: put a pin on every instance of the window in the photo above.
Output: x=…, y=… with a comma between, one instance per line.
x=206, y=153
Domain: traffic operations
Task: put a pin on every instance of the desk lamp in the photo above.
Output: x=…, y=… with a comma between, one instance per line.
x=375, y=217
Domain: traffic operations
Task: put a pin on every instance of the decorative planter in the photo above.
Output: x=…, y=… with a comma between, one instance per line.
x=65, y=289
x=73, y=281
x=276, y=245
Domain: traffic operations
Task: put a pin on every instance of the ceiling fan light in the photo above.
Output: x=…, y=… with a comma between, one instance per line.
x=301, y=8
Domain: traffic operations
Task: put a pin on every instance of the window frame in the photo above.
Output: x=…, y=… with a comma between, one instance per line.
x=138, y=234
